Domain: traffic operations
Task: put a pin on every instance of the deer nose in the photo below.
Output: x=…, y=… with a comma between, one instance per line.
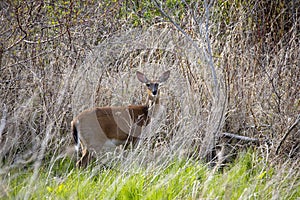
x=154, y=92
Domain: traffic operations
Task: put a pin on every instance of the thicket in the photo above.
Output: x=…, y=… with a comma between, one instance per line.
x=234, y=68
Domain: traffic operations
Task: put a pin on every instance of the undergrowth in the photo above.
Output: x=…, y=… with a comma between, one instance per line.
x=234, y=69
x=246, y=178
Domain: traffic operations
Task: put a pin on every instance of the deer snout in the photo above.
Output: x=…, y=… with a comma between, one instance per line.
x=154, y=92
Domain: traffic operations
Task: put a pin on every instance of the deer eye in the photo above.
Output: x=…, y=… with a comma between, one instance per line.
x=148, y=84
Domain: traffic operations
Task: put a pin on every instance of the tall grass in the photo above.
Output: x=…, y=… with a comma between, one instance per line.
x=248, y=178
x=234, y=67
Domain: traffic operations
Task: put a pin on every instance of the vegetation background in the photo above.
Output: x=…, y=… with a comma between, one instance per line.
x=234, y=68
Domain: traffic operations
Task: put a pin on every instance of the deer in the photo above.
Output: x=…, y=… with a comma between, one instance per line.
x=109, y=127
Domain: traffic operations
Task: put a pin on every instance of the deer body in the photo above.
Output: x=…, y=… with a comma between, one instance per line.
x=101, y=127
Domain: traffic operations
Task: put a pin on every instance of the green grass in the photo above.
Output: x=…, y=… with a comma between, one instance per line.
x=247, y=178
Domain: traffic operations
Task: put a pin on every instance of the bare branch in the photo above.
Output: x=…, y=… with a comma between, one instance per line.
x=238, y=137
x=292, y=127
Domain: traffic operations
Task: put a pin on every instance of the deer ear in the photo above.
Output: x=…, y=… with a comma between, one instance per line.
x=141, y=77
x=164, y=76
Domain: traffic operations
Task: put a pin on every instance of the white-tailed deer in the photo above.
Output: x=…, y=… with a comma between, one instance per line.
x=101, y=127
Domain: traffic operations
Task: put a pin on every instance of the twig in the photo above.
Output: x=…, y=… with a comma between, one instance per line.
x=287, y=133
x=239, y=137
x=22, y=30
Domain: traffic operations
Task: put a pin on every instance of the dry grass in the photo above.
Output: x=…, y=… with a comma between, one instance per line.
x=55, y=64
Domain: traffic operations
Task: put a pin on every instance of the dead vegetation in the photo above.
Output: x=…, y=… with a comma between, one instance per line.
x=234, y=68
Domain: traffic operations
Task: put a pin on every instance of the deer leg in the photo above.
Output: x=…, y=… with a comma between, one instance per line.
x=84, y=160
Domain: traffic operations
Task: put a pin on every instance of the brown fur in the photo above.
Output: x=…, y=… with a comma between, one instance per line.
x=100, y=125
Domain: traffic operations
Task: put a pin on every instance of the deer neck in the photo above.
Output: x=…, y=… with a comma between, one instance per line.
x=153, y=104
